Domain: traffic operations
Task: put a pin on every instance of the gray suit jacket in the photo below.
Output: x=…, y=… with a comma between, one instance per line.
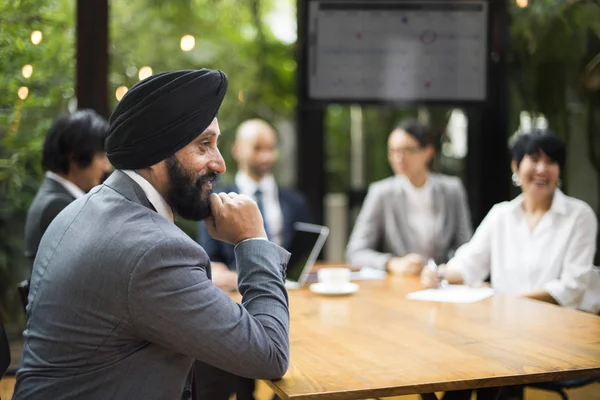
x=50, y=199
x=121, y=303
x=381, y=230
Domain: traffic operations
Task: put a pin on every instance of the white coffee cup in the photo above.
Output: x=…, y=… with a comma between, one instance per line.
x=333, y=277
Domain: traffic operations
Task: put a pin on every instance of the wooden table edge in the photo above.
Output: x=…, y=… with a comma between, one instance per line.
x=479, y=383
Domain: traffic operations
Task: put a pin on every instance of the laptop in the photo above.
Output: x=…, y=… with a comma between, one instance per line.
x=306, y=245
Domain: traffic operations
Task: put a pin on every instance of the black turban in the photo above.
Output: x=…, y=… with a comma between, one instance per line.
x=162, y=114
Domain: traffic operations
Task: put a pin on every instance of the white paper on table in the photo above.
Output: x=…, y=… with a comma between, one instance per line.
x=452, y=294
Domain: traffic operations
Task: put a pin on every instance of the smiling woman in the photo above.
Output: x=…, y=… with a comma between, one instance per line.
x=540, y=245
x=537, y=162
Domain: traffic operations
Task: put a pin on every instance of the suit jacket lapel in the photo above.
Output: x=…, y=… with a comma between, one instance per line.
x=120, y=182
x=52, y=186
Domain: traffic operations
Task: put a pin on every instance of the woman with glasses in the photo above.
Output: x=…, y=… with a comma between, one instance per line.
x=412, y=216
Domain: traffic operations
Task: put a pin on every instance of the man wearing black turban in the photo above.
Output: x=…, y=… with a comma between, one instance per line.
x=121, y=301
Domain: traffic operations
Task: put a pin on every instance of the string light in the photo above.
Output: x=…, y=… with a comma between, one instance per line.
x=144, y=72
x=120, y=92
x=187, y=42
x=36, y=37
x=27, y=71
x=522, y=3
x=23, y=92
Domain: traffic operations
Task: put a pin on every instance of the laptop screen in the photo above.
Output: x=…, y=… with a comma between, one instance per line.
x=306, y=245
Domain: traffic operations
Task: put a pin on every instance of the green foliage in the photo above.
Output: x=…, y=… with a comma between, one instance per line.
x=229, y=35
x=23, y=123
x=549, y=41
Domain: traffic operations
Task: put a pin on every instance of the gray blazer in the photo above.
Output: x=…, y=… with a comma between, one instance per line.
x=50, y=199
x=381, y=230
x=121, y=303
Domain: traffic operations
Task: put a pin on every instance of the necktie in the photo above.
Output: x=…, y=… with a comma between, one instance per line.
x=258, y=195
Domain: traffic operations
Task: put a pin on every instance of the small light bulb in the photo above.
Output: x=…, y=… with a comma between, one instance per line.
x=120, y=92
x=23, y=92
x=36, y=37
x=27, y=71
x=187, y=42
x=144, y=73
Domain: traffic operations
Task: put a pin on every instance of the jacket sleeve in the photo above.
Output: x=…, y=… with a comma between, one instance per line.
x=173, y=303
x=215, y=249
x=367, y=232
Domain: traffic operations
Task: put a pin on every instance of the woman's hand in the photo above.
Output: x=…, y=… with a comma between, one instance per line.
x=409, y=265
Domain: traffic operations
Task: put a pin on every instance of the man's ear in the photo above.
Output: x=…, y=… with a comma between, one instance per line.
x=430, y=152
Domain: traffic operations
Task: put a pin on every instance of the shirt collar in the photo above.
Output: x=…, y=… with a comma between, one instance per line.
x=69, y=186
x=403, y=179
x=158, y=202
x=248, y=186
x=559, y=202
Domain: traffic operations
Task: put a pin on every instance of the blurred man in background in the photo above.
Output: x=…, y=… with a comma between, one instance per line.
x=74, y=160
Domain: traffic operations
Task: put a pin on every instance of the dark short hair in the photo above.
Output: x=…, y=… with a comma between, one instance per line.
x=77, y=136
x=539, y=141
x=416, y=130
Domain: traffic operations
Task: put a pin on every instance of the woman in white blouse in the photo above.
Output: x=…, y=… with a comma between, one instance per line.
x=540, y=245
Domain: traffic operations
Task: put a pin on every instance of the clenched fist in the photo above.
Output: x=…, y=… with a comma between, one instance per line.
x=235, y=217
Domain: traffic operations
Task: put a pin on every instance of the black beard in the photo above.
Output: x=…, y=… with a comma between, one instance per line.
x=186, y=196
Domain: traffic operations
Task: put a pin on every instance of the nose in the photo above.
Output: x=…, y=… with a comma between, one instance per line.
x=541, y=166
x=217, y=163
x=266, y=156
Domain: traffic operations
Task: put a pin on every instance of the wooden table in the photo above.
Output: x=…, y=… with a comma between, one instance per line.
x=376, y=343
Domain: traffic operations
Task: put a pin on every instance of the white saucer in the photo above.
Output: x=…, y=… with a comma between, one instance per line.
x=338, y=290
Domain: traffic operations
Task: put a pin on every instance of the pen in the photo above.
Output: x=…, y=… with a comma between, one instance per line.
x=431, y=264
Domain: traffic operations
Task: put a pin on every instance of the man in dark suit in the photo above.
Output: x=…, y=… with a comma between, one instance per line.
x=255, y=151
x=74, y=160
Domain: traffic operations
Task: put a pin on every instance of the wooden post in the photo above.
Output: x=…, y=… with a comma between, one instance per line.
x=92, y=55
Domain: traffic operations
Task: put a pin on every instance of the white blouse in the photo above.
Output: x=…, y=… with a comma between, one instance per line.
x=557, y=255
x=421, y=216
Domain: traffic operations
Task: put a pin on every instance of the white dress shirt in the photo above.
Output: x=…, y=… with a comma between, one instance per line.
x=270, y=200
x=69, y=186
x=557, y=255
x=421, y=215
x=158, y=202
